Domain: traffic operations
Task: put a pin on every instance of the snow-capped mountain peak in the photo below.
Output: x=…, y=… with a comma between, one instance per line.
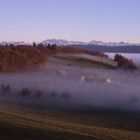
x=12, y=42
x=62, y=42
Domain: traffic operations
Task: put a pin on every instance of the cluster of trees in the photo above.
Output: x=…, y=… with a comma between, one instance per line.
x=13, y=58
x=21, y=57
x=124, y=63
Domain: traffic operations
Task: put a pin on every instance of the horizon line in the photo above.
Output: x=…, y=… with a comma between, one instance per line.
x=70, y=41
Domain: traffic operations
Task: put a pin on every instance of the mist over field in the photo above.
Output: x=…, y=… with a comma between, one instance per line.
x=75, y=86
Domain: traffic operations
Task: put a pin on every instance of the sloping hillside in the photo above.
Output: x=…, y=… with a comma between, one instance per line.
x=13, y=58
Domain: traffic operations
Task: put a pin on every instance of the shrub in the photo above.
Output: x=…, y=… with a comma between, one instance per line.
x=38, y=94
x=53, y=95
x=25, y=92
x=5, y=89
x=124, y=63
x=65, y=95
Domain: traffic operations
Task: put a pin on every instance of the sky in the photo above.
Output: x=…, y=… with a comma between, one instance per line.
x=83, y=20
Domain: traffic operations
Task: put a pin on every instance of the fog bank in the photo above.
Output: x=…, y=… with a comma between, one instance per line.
x=65, y=84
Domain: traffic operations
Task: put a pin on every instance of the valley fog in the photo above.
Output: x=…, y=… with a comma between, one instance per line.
x=64, y=84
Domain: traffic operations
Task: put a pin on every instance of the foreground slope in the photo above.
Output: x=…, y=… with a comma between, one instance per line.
x=38, y=123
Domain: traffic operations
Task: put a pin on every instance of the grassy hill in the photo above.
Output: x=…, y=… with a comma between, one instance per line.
x=44, y=123
x=24, y=57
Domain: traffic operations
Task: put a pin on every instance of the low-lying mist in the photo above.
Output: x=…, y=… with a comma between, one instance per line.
x=70, y=86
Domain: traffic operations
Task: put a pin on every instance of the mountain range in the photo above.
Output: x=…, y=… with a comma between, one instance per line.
x=63, y=42
x=12, y=42
x=115, y=47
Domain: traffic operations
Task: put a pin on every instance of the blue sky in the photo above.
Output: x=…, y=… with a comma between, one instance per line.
x=85, y=20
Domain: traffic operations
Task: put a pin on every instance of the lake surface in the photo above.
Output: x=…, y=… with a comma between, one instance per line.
x=134, y=56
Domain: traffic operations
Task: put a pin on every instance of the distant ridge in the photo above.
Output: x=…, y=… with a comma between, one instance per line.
x=61, y=42
x=116, y=47
x=12, y=42
x=64, y=42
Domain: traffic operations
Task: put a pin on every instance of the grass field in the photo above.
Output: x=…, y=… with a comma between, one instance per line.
x=88, y=59
x=28, y=122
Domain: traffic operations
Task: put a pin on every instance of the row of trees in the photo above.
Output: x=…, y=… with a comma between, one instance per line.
x=26, y=92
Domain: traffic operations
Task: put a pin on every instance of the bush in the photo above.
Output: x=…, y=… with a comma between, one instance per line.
x=65, y=95
x=124, y=63
x=5, y=89
x=25, y=92
x=38, y=94
x=53, y=95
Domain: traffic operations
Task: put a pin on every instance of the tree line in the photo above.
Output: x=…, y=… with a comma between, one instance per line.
x=22, y=57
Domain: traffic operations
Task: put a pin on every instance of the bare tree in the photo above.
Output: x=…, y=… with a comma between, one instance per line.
x=53, y=95
x=66, y=95
x=25, y=92
x=38, y=94
x=5, y=89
